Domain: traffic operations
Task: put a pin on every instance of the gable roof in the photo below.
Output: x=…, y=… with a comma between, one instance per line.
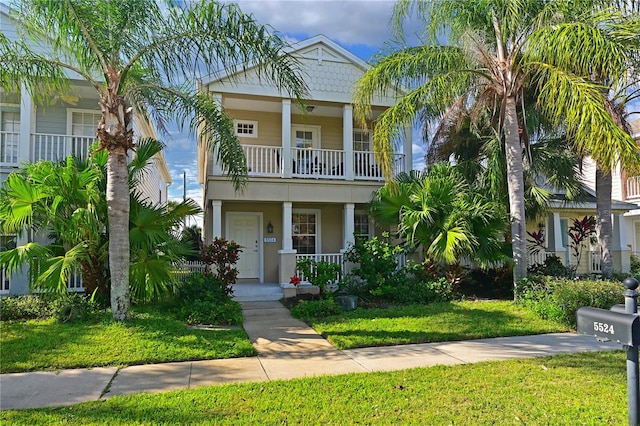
x=329, y=70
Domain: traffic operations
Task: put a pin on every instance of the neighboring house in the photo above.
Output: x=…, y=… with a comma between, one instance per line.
x=625, y=211
x=65, y=125
x=311, y=172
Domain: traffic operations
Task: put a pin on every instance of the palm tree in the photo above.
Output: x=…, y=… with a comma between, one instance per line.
x=136, y=55
x=438, y=210
x=609, y=48
x=486, y=62
x=67, y=201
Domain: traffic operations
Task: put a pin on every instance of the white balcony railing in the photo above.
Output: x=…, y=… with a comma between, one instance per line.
x=9, y=148
x=52, y=147
x=633, y=187
x=314, y=163
x=325, y=257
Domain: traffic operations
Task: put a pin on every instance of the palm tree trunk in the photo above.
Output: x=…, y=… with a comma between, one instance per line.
x=604, y=229
x=118, y=213
x=515, y=184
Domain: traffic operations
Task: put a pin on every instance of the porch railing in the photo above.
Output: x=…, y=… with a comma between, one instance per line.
x=5, y=281
x=336, y=258
x=595, y=262
x=633, y=187
x=314, y=163
x=184, y=270
x=9, y=142
x=52, y=147
x=539, y=257
x=74, y=284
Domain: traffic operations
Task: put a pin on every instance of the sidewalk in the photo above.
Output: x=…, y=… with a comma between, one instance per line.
x=287, y=348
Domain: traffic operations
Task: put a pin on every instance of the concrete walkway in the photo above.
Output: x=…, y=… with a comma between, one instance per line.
x=287, y=348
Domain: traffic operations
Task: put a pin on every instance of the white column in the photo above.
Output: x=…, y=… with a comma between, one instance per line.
x=217, y=218
x=556, y=231
x=621, y=252
x=287, y=217
x=349, y=228
x=407, y=149
x=217, y=167
x=347, y=141
x=286, y=139
x=27, y=124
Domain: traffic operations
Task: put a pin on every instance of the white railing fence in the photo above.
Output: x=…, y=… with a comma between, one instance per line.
x=317, y=163
x=263, y=160
x=633, y=187
x=5, y=281
x=184, y=270
x=9, y=142
x=74, y=283
x=52, y=147
x=336, y=258
x=539, y=257
x=595, y=261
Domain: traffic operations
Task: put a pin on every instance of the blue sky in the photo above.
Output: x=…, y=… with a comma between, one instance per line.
x=361, y=26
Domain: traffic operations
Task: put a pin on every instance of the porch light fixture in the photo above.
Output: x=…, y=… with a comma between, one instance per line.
x=269, y=228
x=310, y=108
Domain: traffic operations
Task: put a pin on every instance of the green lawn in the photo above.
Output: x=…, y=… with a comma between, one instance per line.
x=436, y=322
x=586, y=388
x=152, y=336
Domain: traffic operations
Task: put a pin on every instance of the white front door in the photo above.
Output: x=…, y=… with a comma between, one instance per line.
x=244, y=229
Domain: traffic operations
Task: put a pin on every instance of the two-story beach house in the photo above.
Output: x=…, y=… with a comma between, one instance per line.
x=63, y=125
x=311, y=172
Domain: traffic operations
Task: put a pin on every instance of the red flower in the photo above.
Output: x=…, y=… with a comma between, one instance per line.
x=295, y=280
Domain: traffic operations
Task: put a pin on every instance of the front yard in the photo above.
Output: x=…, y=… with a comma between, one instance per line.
x=435, y=322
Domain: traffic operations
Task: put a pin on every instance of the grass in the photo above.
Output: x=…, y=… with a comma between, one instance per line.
x=437, y=322
x=152, y=336
x=587, y=388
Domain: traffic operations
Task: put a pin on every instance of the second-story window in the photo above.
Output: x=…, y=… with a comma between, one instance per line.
x=361, y=141
x=9, y=137
x=246, y=128
x=83, y=127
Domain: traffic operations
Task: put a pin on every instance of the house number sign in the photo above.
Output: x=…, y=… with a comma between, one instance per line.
x=270, y=239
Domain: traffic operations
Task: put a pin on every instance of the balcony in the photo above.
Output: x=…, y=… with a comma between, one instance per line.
x=267, y=161
x=44, y=146
x=633, y=188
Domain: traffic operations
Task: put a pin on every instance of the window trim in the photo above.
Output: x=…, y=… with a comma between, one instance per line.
x=370, y=233
x=70, y=112
x=361, y=131
x=318, y=233
x=306, y=127
x=253, y=135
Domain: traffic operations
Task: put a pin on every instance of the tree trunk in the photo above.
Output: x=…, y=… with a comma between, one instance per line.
x=515, y=184
x=604, y=229
x=118, y=213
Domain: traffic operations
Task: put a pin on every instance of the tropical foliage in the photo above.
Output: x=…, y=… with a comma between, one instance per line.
x=439, y=211
x=66, y=202
x=136, y=55
x=487, y=62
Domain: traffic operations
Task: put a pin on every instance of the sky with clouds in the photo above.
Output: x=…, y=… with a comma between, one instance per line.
x=360, y=26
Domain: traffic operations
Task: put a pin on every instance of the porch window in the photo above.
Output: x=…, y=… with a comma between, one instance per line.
x=10, y=128
x=7, y=242
x=246, y=128
x=361, y=227
x=305, y=232
x=83, y=128
x=361, y=142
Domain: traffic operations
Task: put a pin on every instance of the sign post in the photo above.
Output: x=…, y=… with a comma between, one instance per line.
x=620, y=324
x=631, y=307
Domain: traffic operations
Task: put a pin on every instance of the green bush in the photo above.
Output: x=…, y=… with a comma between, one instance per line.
x=204, y=299
x=552, y=266
x=559, y=299
x=319, y=273
x=423, y=292
x=316, y=309
x=73, y=307
x=23, y=308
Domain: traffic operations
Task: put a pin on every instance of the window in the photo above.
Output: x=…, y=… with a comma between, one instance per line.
x=361, y=141
x=7, y=242
x=9, y=138
x=305, y=232
x=361, y=227
x=83, y=125
x=246, y=129
x=304, y=139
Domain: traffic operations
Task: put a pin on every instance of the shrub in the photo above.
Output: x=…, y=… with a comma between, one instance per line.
x=635, y=265
x=552, y=266
x=223, y=255
x=377, y=266
x=559, y=299
x=23, y=308
x=423, y=292
x=204, y=299
x=73, y=307
x=319, y=273
x=495, y=283
x=316, y=309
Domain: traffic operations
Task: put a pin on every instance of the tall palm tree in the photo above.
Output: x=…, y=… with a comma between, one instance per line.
x=486, y=62
x=67, y=201
x=136, y=55
x=609, y=44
